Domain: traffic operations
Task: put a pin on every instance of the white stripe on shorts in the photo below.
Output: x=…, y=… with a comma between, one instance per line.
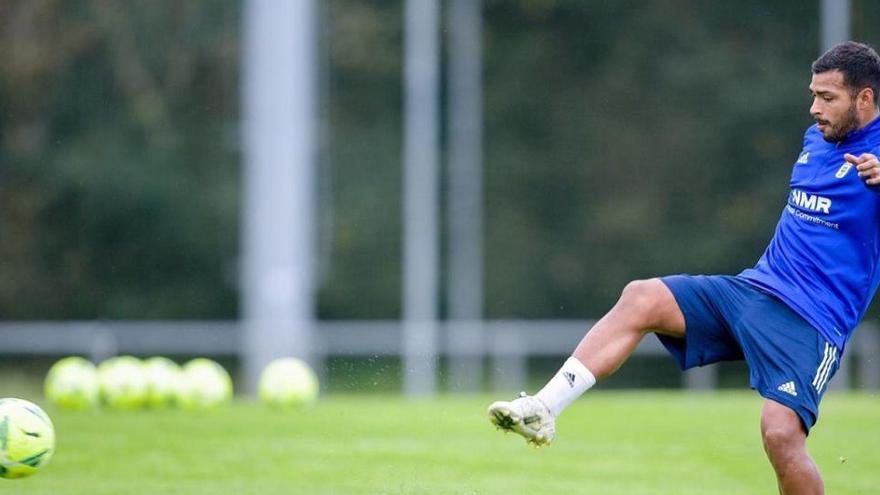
x=822, y=365
x=827, y=376
x=824, y=369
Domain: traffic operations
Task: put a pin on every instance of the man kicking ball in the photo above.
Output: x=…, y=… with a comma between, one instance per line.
x=790, y=316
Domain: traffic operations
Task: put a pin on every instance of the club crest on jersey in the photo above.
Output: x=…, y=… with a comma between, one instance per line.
x=841, y=172
x=805, y=156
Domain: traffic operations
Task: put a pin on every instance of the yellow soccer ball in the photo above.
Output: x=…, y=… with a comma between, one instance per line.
x=72, y=383
x=123, y=383
x=205, y=384
x=27, y=438
x=288, y=382
x=163, y=381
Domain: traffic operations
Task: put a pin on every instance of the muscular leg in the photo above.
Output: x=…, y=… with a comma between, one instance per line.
x=644, y=306
x=785, y=443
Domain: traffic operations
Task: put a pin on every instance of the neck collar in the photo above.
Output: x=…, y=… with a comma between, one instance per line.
x=869, y=128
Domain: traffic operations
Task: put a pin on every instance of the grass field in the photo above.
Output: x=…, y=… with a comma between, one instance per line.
x=609, y=443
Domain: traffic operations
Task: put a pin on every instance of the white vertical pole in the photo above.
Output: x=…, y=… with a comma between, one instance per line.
x=834, y=25
x=465, y=200
x=420, y=196
x=278, y=182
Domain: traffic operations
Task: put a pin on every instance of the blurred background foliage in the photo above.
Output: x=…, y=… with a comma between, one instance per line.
x=623, y=139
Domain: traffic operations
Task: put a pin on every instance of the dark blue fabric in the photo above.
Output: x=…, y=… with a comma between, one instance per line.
x=728, y=319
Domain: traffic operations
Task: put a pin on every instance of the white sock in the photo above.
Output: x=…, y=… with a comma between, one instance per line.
x=572, y=380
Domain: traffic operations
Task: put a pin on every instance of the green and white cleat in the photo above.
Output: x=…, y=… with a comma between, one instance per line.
x=527, y=416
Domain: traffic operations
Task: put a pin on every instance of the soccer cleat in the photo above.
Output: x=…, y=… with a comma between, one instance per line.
x=527, y=416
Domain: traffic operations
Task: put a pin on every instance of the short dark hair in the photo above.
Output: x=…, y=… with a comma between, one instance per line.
x=859, y=64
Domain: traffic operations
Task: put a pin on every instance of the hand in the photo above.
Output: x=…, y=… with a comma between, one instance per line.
x=868, y=166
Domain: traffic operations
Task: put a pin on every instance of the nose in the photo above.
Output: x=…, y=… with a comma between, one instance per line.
x=815, y=108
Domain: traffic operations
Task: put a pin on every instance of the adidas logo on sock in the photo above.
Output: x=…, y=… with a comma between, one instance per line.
x=788, y=388
x=570, y=377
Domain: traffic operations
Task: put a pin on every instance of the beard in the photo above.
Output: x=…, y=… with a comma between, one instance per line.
x=848, y=123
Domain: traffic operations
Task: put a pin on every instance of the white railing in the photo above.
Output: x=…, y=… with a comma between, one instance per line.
x=506, y=343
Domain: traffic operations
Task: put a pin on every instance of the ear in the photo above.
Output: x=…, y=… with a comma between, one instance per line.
x=866, y=98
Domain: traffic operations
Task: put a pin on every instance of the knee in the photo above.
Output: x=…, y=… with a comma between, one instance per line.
x=778, y=440
x=640, y=299
x=638, y=294
x=781, y=438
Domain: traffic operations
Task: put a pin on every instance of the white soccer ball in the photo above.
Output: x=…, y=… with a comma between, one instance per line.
x=288, y=382
x=163, y=381
x=123, y=383
x=205, y=384
x=72, y=383
x=27, y=438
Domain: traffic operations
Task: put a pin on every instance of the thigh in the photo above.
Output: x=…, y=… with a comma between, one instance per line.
x=706, y=303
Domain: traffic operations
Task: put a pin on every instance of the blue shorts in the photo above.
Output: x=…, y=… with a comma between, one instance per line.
x=728, y=319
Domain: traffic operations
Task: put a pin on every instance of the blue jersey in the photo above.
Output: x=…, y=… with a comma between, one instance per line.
x=824, y=258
